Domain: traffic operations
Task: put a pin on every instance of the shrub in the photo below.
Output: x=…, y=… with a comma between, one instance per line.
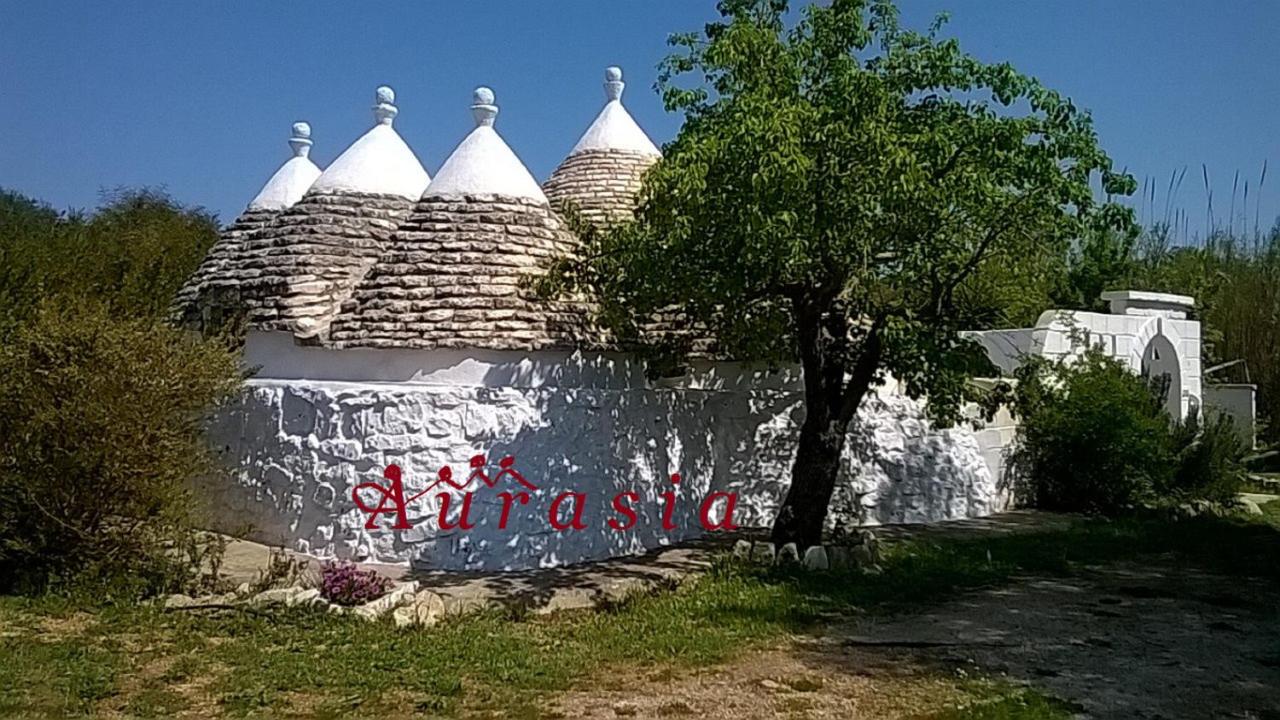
x=99, y=438
x=1210, y=463
x=346, y=584
x=1093, y=437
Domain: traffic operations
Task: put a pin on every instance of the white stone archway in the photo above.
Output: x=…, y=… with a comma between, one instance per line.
x=1148, y=332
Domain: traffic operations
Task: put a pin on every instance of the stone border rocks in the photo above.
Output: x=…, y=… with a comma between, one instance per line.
x=860, y=552
x=404, y=603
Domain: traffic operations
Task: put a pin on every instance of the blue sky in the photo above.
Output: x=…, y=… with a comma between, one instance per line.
x=198, y=97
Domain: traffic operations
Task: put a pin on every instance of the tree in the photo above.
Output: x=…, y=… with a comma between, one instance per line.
x=132, y=253
x=836, y=183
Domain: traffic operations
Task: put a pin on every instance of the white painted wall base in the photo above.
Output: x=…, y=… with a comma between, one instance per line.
x=298, y=448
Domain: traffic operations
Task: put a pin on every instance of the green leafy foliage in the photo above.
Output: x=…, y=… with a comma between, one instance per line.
x=132, y=254
x=99, y=438
x=1094, y=437
x=842, y=192
x=1235, y=280
x=1209, y=460
x=1237, y=285
x=101, y=400
x=1098, y=262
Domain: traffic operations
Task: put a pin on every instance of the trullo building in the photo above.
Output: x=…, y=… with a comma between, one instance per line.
x=391, y=323
x=602, y=174
x=293, y=273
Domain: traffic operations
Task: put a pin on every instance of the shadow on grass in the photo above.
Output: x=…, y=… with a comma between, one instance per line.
x=1129, y=617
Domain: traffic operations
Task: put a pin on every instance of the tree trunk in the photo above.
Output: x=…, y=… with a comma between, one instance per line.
x=813, y=476
x=831, y=401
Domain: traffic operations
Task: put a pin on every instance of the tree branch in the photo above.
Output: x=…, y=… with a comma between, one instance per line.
x=863, y=372
x=972, y=263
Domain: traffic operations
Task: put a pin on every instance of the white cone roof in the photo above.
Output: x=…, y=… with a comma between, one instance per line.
x=293, y=179
x=380, y=162
x=483, y=163
x=614, y=128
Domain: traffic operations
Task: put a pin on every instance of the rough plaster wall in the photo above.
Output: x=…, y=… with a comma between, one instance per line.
x=299, y=448
x=1127, y=337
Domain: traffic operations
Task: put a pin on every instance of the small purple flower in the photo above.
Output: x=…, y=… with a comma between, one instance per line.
x=345, y=583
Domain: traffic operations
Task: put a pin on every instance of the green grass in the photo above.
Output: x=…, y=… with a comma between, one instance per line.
x=1008, y=703
x=137, y=660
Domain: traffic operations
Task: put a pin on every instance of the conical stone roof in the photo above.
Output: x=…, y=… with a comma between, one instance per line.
x=602, y=174
x=454, y=275
x=285, y=187
x=294, y=273
x=293, y=179
x=601, y=178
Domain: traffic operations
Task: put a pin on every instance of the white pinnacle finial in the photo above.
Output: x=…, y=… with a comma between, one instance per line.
x=614, y=128
x=482, y=108
x=384, y=109
x=613, y=84
x=301, y=139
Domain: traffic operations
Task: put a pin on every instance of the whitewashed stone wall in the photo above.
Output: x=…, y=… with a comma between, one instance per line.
x=1148, y=332
x=299, y=447
x=319, y=422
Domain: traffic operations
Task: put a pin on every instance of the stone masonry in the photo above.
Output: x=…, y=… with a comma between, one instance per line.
x=210, y=279
x=293, y=274
x=456, y=275
x=600, y=184
x=300, y=449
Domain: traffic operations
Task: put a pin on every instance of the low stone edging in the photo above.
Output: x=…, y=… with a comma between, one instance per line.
x=861, y=553
x=405, y=603
x=408, y=604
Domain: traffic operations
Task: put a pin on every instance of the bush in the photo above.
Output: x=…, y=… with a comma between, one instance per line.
x=1093, y=437
x=99, y=437
x=1210, y=465
x=347, y=584
x=132, y=254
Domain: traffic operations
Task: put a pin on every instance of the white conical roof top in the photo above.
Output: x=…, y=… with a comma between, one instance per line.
x=293, y=179
x=614, y=128
x=483, y=163
x=379, y=162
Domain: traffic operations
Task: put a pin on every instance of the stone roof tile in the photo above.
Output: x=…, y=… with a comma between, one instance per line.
x=602, y=174
x=294, y=273
x=453, y=277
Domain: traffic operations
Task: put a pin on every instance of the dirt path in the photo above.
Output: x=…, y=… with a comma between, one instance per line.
x=799, y=681
x=1125, y=641
x=1150, y=640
